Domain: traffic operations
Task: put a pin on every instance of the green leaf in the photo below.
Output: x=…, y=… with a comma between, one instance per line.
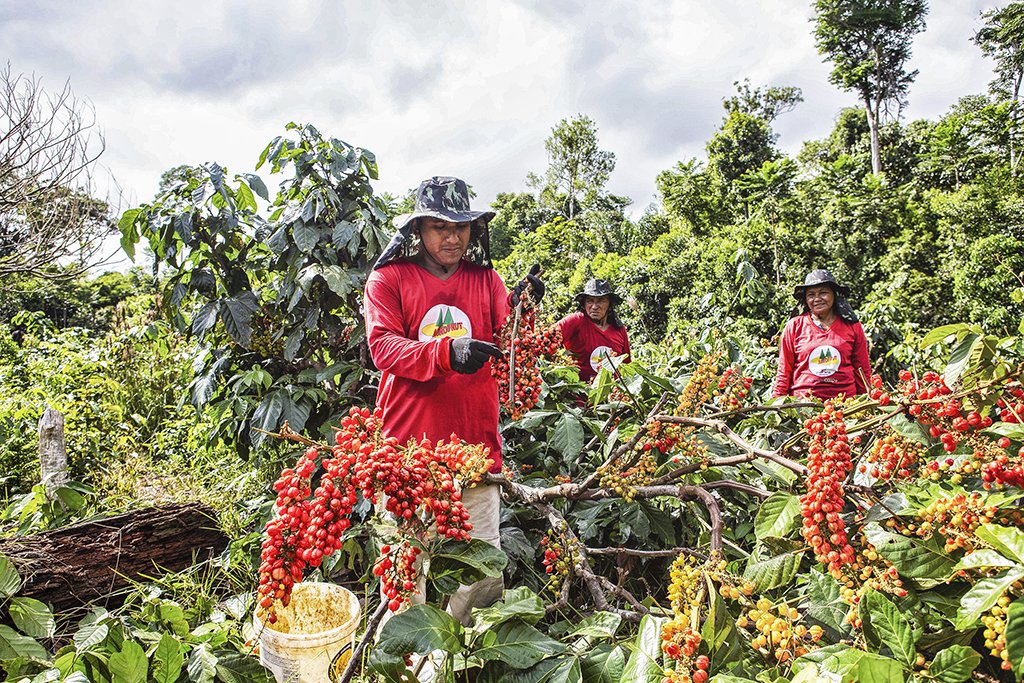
x=205, y=319
x=266, y=416
x=777, y=515
x=914, y=558
x=824, y=601
x=774, y=571
x=257, y=185
x=1011, y=430
x=167, y=660
x=10, y=580
x=942, y=333
x=519, y=645
x=521, y=603
x=1007, y=540
x=567, y=437
x=644, y=665
x=551, y=670
x=129, y=665
x=980, y=598
x=236, y=313
x=1015, y=636
x=597, y=625
x=202, y=664
x=32, y=617
x=884, y=624
x=14, y=644
x=421, y=629
x=875, y=669
x=89, y=635
x=338, y=279
x=460, y=563
x=960, y=357
x=244, y=200
x=233, y=667
x=983, y=559
x=603, y=664
x=954, y=664
x=306, y=235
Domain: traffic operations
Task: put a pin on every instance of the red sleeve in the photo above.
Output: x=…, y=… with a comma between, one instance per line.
x=861, y=359
x=500, y=304
x=390, y=349
x=787, y=358
x=626, y=350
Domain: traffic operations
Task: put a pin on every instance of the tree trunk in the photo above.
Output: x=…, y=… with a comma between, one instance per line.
x=876, y=154
x=53, y=456
x=93, y=561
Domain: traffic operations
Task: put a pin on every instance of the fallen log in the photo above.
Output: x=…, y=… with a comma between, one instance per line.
x=91, y=562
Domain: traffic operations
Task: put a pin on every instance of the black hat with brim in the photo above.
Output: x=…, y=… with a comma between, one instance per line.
x=597, y=287
x=819, y=277
x=445, y=199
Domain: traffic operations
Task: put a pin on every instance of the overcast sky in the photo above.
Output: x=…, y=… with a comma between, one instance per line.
x=470, y=88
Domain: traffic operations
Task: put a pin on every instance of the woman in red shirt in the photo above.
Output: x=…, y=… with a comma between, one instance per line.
x=823, y=351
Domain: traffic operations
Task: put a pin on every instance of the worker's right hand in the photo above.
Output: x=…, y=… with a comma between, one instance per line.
x=469, y=355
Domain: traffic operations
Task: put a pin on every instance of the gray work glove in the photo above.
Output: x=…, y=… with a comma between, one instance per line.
x=469, y=355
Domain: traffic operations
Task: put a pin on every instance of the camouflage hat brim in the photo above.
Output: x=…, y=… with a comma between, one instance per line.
x=404, y=219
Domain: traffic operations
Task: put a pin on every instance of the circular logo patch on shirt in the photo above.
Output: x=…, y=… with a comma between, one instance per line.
x=603, y=357
x=443, y=320
x=824, y=360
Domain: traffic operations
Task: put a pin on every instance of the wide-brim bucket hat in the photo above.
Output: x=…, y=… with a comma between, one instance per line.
x=596, y=287
x=446, y=199
x=819, y=277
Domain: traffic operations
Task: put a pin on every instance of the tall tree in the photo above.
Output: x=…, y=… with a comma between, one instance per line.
x=48, y=216
x=1002, y=38
x=766, y=103
x=577, y=168
x=868, y=43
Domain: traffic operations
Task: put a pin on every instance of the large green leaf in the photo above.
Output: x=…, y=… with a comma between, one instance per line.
x=980, y=598
x=89, y=635
x=10, y=581
x=567, y=436
x=777, y=515
x=519, y=645
x=421, y=629
x=1015, y=636
x=14, y=644
x=236, y=313
x=515, y=603
x=885, y=625
x=550, y=670
x=167, y=660
x=954, y=664
x=983, y=559
x=233, y=667
x=202, y=665
x=824, y=601
x=306, y=235
x=960, y=357
x=914, y=558
x=597, y=625
x=875, y=669
x=941, y=333
x=267, y=416
x=32, y=617
x=772, y=572
x=460, y=563
x=603, y=664
x=129, y=665
x=644, y=664
x=1007, y=540
x=205, y=318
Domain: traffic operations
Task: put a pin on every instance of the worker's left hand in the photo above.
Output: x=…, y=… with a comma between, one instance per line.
x=531, y=284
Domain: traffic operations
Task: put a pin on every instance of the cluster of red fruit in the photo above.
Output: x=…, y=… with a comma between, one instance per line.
x=660, y=437
x=892, y=454
x=956, y=519
x=679, y=642
x=422, y=483
x=733, y=387
x=524, y=346
x=558, y=560
x=943, y=417
x=828, y=463
x=1011, y=407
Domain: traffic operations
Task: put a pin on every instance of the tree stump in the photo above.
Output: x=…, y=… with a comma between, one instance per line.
x=92, y=562
x=53, y=456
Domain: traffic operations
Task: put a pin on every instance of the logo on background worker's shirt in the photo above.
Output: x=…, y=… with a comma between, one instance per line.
x=444, y=321
x=824, y=361
x=604, y=357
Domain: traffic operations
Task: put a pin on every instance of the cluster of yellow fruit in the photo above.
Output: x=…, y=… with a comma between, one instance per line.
x=779, y=633
x=626, y=481
x=995, y=629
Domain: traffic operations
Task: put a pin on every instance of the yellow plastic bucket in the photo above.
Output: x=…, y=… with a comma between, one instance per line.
x=313, y=637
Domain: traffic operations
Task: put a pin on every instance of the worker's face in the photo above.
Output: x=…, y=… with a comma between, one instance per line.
x=445, y=242
x=596, y=308
x=819, y=299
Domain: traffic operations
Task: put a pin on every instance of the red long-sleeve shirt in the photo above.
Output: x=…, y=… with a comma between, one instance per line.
x=822, y=363
x=411, y=319
x=590, y=344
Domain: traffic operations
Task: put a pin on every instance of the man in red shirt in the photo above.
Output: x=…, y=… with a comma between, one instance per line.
x=594, y=334
x=434, y=308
